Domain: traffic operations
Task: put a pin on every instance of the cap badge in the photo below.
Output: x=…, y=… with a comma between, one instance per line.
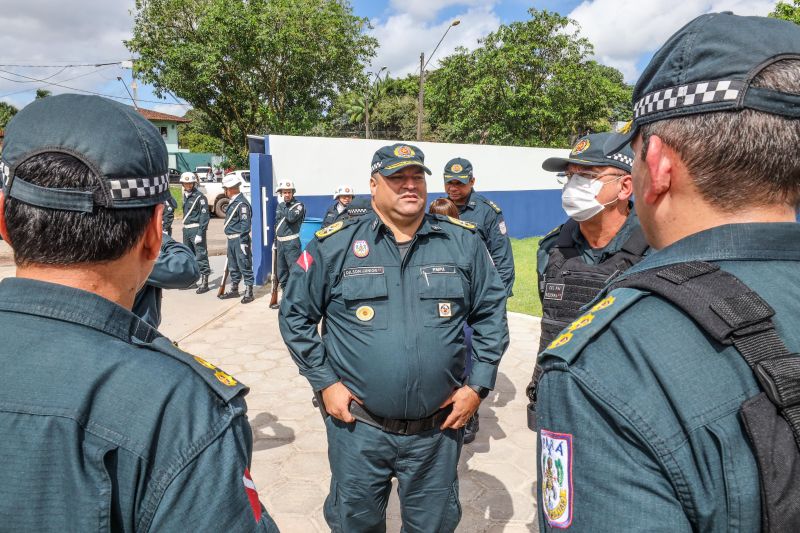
x=581, y=147
x=365, y=313
x=456, y=168
x=360, y=249
x=404, y=151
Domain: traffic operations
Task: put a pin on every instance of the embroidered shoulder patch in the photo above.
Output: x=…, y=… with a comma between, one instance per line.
x=556, y=478
x=329, y=230
x=568, y=345
x=458, y=222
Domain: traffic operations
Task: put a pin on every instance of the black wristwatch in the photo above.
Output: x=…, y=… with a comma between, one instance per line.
x=483, y=392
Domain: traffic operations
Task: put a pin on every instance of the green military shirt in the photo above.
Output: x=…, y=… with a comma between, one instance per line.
x=638, y=410
x=591, y=256
x=393, y=328
x=492, y=229
x=106, y=426
x=239, y=217
x=195, y=210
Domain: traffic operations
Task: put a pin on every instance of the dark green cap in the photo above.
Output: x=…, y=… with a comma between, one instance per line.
x=708, y=66
x=589, y=151
x=390, y=159
x=458, y=169
x=120, y=146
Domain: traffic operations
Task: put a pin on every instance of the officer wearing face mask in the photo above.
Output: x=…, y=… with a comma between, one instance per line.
x=601, y=239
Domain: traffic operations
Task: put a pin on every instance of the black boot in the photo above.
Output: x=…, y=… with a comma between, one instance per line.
x=248, y=294
x=233, y=293
x=471, y=429
x=203, y=284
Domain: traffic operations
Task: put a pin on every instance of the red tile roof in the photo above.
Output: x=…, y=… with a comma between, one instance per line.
x=155, y=115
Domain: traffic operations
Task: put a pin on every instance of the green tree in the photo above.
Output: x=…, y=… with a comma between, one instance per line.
x=252, y=66
x=199, y=135
x=529, y=83
x=787, y=11
x=7, y=111
x=42, y=93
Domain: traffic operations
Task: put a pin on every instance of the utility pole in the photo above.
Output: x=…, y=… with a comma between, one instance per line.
x=421, y=97
x=366, y=114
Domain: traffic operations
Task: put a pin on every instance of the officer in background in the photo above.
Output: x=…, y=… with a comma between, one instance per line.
x=644, y=410
x=106, y=426
x=343, y=196
x=195, y=225
x=175, y=268
x=395, y=289
x=289, y=217
x=169, y=214
x=599, y=241
x=459, y=185
x=237, y=229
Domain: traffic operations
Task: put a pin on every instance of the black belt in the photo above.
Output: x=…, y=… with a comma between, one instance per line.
x=400, y=427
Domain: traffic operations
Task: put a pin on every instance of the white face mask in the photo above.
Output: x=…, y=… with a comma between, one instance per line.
x=579, y=197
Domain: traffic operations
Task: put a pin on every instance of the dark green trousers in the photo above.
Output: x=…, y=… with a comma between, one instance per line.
x=200, y=249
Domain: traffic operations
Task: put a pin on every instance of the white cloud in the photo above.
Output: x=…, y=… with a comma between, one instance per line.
x=623, y=31
x=403, y=36
x=170, y=109
x=428, y=9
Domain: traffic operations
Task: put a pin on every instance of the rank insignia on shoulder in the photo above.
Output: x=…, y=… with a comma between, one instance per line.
x=462, y=223
x=556, y=478
x=494, y=206
x=329, y=230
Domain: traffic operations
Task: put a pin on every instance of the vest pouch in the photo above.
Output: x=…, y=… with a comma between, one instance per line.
x=778, y=459
x=366, y=300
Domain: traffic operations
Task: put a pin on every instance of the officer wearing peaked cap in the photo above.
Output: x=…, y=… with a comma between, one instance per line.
x=344, y=196
x=105, y=424
x=289, y=218
x=195, y=225
x=238, y=220
x=671, y=404
x=395, y=288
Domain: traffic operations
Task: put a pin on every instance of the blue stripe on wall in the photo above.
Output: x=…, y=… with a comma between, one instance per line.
x=527, y=213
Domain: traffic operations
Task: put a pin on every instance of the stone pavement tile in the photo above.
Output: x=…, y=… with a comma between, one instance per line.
x=297, y=497
x=301, y=523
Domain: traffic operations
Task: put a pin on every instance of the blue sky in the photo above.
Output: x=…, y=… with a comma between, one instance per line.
x=625, y=33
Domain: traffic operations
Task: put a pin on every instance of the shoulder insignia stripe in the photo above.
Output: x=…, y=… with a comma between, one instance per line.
x=494, y=206
x=462, y=223
x=330, y=230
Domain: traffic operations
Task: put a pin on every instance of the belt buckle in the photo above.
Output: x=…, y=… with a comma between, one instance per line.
x=399, y=426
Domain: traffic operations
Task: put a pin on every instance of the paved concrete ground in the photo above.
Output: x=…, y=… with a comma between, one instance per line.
x=290, y=466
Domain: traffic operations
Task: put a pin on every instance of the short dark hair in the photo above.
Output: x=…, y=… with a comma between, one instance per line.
x=739, y=158
x=443, y=206
x=59, y=237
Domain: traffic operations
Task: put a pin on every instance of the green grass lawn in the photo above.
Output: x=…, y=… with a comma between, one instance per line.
x=525, y=299
x=175, y=190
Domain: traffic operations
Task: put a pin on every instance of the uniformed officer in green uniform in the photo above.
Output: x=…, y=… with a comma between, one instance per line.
x=195, y=225
x=395, y=288
x=175, y=268
x=238, y=221
x=459, y=183
x=601, y=239
x=338, y=211
x=640, y=411
x=289, y=216
x=169, y=214
x=106, y=426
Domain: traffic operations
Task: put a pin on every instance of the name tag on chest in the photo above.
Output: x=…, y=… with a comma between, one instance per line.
x=363, y=271
x=554, y=291
x=438, y=269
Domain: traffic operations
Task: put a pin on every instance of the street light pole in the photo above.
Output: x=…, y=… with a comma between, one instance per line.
x=422, y=65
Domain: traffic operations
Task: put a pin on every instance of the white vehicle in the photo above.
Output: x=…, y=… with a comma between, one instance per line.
x=215, y=194
x=204, y=174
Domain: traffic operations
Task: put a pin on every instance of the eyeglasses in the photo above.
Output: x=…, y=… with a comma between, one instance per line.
x=564, y=177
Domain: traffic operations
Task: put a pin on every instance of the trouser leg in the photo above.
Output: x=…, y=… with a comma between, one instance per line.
x=361, y=460
x=288, y=253
x=244, y=258
x=426, y=470
x=188, y=239
x=233, y=261
x=202, y=255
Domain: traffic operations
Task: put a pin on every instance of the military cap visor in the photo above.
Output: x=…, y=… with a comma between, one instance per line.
x=458, y=169
x=120, y=147
x=709, y=65
x=589, y=151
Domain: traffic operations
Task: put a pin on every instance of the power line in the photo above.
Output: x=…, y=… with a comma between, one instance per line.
x=81, y=90
x=65, y=66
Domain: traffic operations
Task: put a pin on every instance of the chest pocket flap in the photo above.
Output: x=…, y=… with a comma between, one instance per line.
x=440, y=286
x=364, y=287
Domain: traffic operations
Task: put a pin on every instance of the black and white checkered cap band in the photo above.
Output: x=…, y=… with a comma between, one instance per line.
x=129, y=188
x=692, y=94
x=622, y=158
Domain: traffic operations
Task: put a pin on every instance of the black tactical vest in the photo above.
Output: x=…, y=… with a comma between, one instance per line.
x=569, y=283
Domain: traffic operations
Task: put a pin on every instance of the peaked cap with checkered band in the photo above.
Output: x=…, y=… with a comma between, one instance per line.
x=708, y=66
x=589, y=151
x=124, y=151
